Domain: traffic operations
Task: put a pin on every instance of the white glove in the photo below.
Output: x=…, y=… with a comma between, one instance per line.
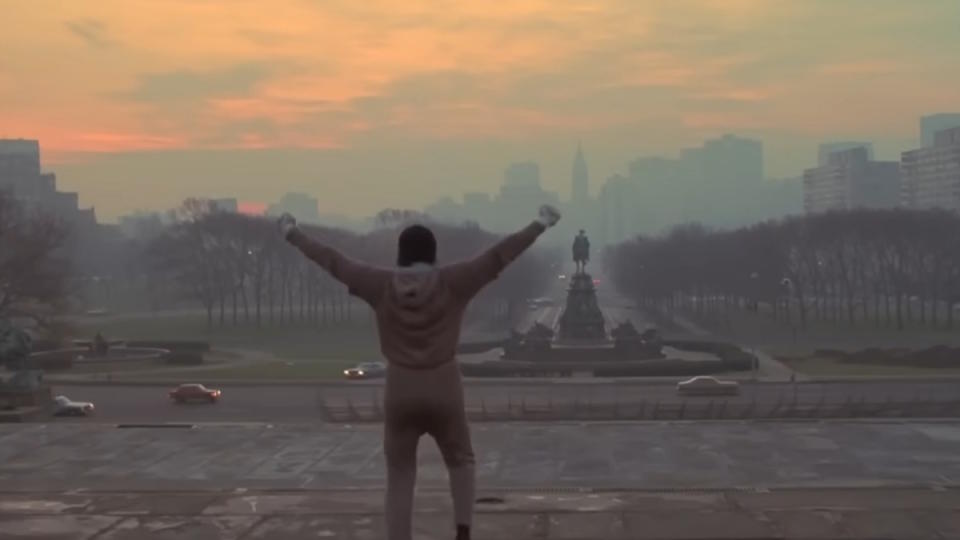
x=549, y=216
x=287, y=224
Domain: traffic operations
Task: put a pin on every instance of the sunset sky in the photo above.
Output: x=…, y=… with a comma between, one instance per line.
x=378, y=103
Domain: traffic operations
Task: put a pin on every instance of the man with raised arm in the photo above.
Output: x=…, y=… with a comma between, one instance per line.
x=419, y=308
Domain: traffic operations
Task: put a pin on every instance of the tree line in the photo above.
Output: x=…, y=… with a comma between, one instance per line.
x=240, y=270
x=34, y=264
x=886, y=268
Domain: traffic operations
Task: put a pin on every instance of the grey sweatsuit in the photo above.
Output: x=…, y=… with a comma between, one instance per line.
x=419, y=311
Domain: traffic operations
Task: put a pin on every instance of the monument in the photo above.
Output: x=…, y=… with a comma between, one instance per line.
x=581, y=319
x=580, y=337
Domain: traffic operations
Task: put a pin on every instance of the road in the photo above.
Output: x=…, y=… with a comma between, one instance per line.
x=302, y=403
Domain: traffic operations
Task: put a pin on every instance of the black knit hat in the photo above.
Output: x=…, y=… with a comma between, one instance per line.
x=416, y=245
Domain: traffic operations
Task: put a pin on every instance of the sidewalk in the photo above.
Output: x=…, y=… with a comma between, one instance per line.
x=356, y=514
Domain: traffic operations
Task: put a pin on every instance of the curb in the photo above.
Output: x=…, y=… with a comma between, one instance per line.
x=489, y=381
x=884, y=379
x=515, y=490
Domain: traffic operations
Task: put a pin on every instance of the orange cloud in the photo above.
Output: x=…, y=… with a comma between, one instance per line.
x=122, y=75
x=868, y=67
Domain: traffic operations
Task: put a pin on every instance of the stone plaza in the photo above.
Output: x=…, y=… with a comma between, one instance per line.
x=706, y=480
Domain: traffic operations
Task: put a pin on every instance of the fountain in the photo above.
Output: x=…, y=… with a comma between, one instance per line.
x=581, y=345
x=581, y=329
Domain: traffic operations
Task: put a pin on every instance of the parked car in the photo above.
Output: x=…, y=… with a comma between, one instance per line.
x=193, y=392
x=64, y=406
x=367, y=370
x=708, y=386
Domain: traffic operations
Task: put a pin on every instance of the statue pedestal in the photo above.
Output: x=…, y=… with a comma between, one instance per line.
x=582, y=319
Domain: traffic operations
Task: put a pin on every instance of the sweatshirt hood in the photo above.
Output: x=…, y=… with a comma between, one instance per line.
x=415, y=286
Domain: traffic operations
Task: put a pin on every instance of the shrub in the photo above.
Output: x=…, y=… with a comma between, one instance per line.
x=173, y=345
x=54, y=360
x=479, y=346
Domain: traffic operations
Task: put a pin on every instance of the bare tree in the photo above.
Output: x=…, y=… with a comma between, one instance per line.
x=835, y=267
x=33, y=272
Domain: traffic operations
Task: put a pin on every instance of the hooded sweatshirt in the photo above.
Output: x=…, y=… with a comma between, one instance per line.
x=419, y=309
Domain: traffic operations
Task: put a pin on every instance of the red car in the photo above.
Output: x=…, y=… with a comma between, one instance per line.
x=194, y=392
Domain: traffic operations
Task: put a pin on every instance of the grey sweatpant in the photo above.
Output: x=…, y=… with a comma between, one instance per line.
x=418, y=402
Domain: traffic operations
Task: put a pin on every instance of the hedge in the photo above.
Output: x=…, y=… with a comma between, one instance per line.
x=939, y=356
x=732, y=358
x=479, y=346
x=173, y=345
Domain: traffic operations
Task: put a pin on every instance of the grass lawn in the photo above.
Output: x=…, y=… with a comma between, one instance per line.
x=828, y=366
x=349, y=342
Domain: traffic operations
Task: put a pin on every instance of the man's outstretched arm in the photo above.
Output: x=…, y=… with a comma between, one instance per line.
x=364, y=281
x=469, y=277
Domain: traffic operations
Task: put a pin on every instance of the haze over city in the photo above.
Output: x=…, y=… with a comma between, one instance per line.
x=397, y=104
x=639, y=268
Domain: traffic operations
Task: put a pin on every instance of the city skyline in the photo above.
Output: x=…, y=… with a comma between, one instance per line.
x=394, y=103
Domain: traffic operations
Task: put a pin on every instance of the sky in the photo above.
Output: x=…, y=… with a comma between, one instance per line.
x=394, y=103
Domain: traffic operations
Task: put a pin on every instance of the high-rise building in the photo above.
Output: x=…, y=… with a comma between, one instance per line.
x=579, y=180
x=823, y=153
x=524, y=173
x=932, y=124
x=617, y=209
x=851, y=180
x=20, y=174
x=20, y=166
x=715, y=181
x=300, y=205
x=931, y=175
x=731, y=161
x=520, y=195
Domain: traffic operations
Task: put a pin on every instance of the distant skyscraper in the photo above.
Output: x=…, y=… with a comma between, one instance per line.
x=20, y=173
x=851, y=180
x=523, y=173
x=580, y=180
x=930, y=125
x=302, y=206
x=823, y=153
x=931, y=175
x=617, y=198
x=730, y=161
x=19, y=166
x=521, y=191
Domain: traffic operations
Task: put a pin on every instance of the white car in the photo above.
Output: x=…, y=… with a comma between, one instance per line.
x=64, y=406
x=708, y=386
x=367, y=370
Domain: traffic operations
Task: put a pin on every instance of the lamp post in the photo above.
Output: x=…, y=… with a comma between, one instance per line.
x=787, y=283
x=754, y=278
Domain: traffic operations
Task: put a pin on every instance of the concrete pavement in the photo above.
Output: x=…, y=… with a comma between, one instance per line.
x=856, y=514
x=729, y=480
x=514, y=456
